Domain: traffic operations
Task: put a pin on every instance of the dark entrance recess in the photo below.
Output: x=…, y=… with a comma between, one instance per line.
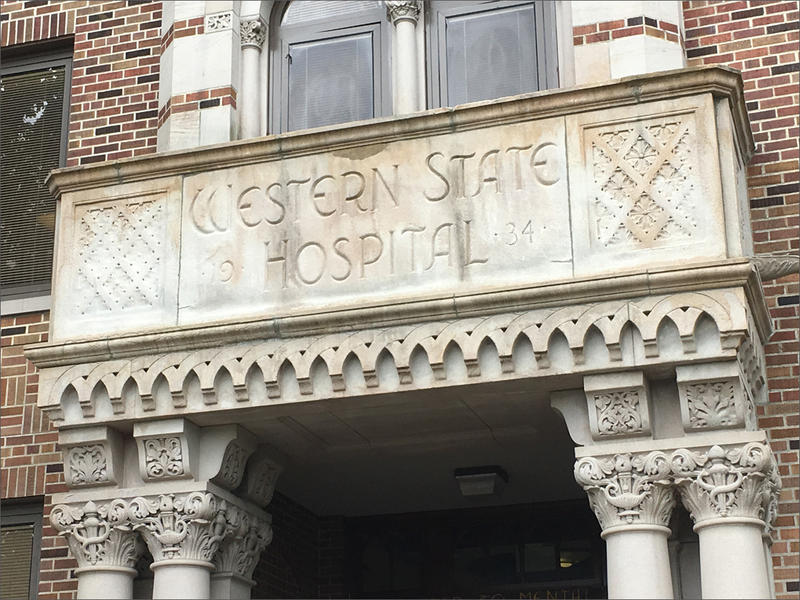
x=541, y=551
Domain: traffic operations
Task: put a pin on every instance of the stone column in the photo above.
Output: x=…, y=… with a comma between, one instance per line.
x=238, y=555
x=106, y=548
x=253, y=34
x=632, y=497
x=183, y=533
x=729, y=492
x=404, y=15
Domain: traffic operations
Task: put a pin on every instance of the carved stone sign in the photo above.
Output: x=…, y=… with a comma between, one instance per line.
x=411, y=217
x=385, y=214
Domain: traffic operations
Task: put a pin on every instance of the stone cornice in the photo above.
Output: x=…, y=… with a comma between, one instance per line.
x=719, y=81
x=728, y=274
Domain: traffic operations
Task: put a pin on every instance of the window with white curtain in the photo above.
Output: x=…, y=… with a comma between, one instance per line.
x=329, y=63
x=481, y=49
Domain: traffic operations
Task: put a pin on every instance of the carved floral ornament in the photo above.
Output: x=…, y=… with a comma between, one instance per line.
x=618, y=412
x=87, y=465
x=163, y=457
x=628, y=489
x=174, y=526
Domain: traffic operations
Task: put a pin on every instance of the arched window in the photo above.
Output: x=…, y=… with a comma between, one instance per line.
x=484, y=49
x=329, y=63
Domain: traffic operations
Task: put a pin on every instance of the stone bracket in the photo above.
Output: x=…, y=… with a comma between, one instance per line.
x=92, y=456
x=712, y=396
x=618, y=405
x=168, y=449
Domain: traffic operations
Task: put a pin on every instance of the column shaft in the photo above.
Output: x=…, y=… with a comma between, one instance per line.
x=732, y=560
x=406, y=58
x=107, y=583
x=181, y=580
x=251, y=121
x=638, y=563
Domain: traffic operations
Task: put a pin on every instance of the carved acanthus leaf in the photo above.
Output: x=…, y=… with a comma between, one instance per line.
x=627, y=489
x=618, y=412
x=776, y=266
x=403, y=9
x=87, y=465
x=253, y=32
x=98, y=535
x=246, y=538
x=737, y=482
x=163, y=457
x=186, y=526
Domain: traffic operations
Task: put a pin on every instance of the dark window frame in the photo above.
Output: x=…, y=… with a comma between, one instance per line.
x=436, y=43
x=23, y=59
x=371, y=20
x=27, y=512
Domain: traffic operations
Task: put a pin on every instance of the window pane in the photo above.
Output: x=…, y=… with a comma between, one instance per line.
x=490, y=55
x=301, y=11
x=16, y=551
x=31, y=106
x=330, y=81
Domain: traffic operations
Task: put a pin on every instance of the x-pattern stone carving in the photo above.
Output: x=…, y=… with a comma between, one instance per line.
x=98, y=535
x=644, y=181
x=626, y=489
x=718, y=483
x=119, y=257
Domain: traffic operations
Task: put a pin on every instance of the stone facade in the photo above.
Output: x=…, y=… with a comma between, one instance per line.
x=623, y=172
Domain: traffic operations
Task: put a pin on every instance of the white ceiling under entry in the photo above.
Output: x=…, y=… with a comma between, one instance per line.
x=397, y=453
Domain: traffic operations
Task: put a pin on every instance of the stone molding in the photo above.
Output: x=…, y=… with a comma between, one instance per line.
x=733, y=482
x=398, y=10
x=628, y=489
x=721, y=82
x=98, y=535
x=130, y=385
x=253, y=32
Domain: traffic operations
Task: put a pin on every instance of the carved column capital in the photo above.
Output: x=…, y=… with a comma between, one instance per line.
x=734, y=483
x=246, y=537
x=399, y=10
x=253, y=32
x=628, y=489
x=98, y=535
x=186, y=526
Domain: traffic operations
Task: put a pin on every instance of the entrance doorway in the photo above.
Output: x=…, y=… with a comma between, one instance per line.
x=543, y=550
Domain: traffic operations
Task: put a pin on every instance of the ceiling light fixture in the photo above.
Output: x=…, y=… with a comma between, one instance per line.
x=488, y=480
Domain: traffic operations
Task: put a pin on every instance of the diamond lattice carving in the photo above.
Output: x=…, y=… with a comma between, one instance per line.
x=644, y=183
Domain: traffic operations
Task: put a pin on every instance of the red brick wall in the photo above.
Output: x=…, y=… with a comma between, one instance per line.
x=114, y=113
x=117, y=47
x=30, y=461
x=761, y=40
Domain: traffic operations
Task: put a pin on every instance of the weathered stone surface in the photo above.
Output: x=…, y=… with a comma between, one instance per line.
x=480, y=199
